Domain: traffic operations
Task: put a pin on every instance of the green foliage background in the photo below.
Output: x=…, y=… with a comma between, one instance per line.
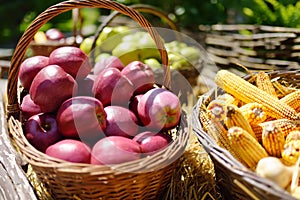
x=272, y=12
x=15, y=15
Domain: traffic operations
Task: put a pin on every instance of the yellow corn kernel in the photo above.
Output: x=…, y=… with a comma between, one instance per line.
x=273, y=139
x=246, y=92
x=264, y=83
x=204, y=119
x=254, y=112
x=246, y=146
x=291, y=152
x=257, y=129
x=292, y=99
x=293, y=135
x=234, y=117
x=284, y=125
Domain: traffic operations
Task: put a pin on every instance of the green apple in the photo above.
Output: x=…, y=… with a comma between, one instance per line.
x=133, y=37
x=86, y=46
x=175, y=46
x=110, y=37
x=174, y=57
x=190, y=53
x=102, y=56
x=148, y=47
x=127, y=52
x=181, y=64
x=153, y=63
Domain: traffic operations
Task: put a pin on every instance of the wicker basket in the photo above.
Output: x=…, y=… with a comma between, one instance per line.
x=234, y=180
x=45, y=48
x=141, y=179
x=254, y=46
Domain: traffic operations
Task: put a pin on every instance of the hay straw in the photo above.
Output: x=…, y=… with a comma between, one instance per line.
x=194, y=176
x=40, y=190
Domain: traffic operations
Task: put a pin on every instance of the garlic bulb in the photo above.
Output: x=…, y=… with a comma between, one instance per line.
x=273, y=169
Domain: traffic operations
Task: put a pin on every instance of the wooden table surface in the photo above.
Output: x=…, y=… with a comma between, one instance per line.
x=14, y=184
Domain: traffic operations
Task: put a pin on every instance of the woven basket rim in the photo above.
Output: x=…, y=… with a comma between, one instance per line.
x=223, y=157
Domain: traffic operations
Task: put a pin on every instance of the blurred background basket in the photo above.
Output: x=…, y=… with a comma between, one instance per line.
x=44, y=48
x=253, y=46
x=234, y=180
x=142, y=179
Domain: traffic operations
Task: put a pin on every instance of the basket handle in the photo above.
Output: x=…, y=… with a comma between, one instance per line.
x=13, y=107
x=140, y=8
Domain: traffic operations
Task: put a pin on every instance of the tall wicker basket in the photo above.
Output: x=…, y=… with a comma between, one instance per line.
x=145, y=178
x=234, y=180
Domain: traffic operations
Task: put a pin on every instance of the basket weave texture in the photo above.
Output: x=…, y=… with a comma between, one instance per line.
x=234, y=180
x=254, y=46
x=145, y=178
x=46, y=48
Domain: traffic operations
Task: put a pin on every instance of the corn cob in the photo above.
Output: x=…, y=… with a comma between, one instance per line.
x=247, y=93
x=227, y=99
x=217, y=131
x=246, y=146
x=255, y=113
x=217, y=109
x=264, y=83
x=234, y=117
x=214, y=128
x=291, y=152
x=273, y=139
x=292, y=99
x=284, y=125
x=293, y=135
